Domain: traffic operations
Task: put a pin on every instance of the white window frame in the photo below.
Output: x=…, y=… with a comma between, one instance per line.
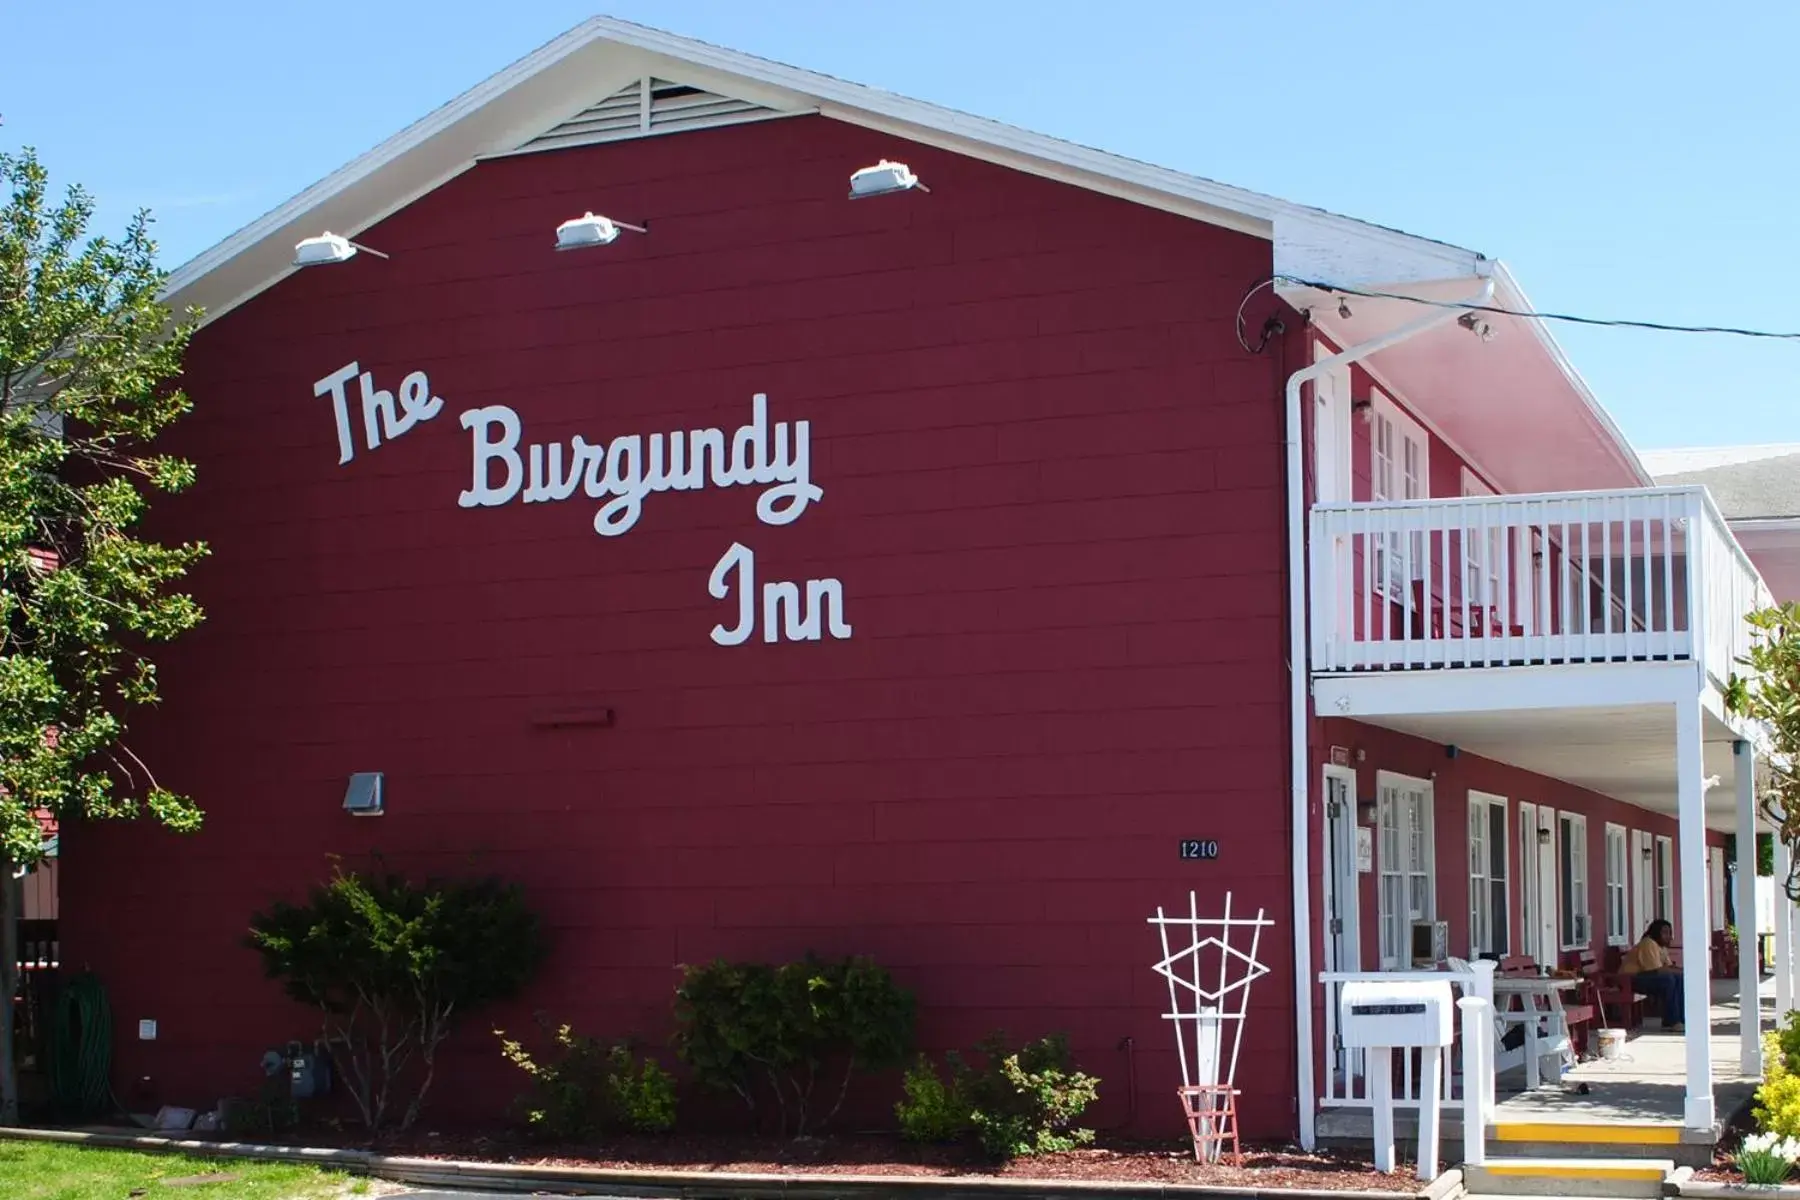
x=1662, y=887
x=1574, y=904
x=1394, y=926
x=1402, y=477
x=1618, y=910
x=1481, y=881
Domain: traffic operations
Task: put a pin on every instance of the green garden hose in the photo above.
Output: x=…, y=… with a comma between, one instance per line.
x=81, y=1049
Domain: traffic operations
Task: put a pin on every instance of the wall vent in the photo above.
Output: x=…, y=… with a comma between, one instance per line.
x=650, y=106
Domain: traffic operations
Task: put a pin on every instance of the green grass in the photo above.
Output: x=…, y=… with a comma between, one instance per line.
x=54, y=1171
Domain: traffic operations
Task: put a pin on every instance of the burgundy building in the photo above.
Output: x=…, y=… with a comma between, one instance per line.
x=906, y=576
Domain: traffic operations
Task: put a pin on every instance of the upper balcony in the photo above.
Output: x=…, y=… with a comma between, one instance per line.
x=1630, y=576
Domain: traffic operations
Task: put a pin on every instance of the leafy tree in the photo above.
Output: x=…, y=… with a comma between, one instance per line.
x=1769, y=692
x=390, y=966
x=87, y=356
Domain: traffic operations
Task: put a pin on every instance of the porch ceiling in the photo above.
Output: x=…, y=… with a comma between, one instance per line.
x=1627, y=753
x=1513, y=405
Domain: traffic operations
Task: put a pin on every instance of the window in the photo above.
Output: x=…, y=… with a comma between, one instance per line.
x=1483, y=556
x=1665, y=879
x=1408, y=878
x=1571, y=877
x=1618, y=921
x=1488, y=900
x=1399, y=469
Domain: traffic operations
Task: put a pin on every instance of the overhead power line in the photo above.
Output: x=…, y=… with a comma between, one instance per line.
x=1571, y=318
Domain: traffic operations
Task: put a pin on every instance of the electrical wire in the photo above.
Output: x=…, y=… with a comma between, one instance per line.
x=1570, y=318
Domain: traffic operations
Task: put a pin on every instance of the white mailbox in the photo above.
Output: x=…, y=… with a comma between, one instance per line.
x=1379, y=1016
x=1398, y=1012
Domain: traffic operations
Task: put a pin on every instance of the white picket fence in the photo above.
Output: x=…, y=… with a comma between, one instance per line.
x=1346, y=1083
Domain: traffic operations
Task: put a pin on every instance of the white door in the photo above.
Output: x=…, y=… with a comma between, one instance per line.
x=1643, y=885
x=1549, y=936
x=1531, y=908
x=1407, y=888
x=1342, y=935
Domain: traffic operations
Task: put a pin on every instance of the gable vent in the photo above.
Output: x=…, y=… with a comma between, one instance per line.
x=650, y=106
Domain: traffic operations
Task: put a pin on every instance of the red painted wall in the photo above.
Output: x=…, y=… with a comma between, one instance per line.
x=1052, y=491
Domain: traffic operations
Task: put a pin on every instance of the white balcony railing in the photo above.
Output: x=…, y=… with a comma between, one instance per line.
x=1578, y=577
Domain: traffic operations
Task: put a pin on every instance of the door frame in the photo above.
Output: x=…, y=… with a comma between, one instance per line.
x=1343, y=946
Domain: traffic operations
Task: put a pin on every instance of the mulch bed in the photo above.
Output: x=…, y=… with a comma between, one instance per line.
x=873, y=1154
x=1724, y=1166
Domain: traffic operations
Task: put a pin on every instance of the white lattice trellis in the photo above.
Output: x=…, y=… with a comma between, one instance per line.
x=1204, y=1003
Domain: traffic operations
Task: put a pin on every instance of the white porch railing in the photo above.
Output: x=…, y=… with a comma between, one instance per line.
x=1346, y=1076
x=1629, y=576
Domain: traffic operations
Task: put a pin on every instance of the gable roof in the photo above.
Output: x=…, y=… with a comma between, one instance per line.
x=1748, y=483
x=534, y=102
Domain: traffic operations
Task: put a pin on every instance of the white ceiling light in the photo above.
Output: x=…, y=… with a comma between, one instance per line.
x=327, y=248
x=591, y=230
x=883, y=179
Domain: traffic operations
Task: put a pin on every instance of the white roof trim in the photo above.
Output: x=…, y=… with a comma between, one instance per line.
x=603, y=54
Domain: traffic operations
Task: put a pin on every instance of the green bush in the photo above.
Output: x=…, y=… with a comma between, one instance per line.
x=1020, y=1102
x=391, y=965
x=590, y=1086
x=933, y=1110
x=1778, y=1098
x=751, y=1028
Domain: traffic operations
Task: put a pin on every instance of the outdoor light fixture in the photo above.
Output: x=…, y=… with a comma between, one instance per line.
x=1364, y=409
x=591, y=230
x=1476, y=326
x=1343, y=309
x=326, y=249
x=1543, y=837
x=1648, y=854
x=883, y=179
x=363, y=797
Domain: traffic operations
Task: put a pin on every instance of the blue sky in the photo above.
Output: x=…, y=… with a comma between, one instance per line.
x=1631, y=160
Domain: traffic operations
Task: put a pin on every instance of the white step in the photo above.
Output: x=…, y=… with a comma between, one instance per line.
x=1622, y=1177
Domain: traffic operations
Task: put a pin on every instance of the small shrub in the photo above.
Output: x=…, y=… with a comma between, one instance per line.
x=640, y=1095
x=1020, y=1102
x=1026, y=1100
x=590, y=1086
x=390, y=965
x=752, y=1028
x=933, y=1111
x=1778, y=1098
x=1767, y=1158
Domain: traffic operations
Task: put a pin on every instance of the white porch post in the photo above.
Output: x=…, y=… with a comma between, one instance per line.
x=1696, y=959
x=1783, y=952
x=1749, y=939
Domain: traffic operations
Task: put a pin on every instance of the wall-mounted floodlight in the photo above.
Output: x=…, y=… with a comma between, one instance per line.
x=883, y=179
x=591, y=230
x=327, y=248
x=363, y=797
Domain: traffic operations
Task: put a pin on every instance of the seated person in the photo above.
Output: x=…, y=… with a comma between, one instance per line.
x=1646, y=966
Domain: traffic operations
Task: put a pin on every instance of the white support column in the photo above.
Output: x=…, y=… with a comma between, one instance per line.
x=1696, y=956
x=1779, y=955
x=1743, y=762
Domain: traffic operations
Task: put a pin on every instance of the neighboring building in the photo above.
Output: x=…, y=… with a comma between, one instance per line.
x=1019, y=503
x=1757, y=488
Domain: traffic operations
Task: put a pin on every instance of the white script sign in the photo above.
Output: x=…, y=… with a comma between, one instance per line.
x=626, y=469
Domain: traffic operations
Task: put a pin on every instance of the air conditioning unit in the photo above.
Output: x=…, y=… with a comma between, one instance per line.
x=1430, y=943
